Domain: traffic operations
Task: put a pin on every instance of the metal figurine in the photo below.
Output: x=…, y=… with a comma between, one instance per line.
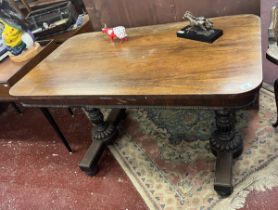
x=199, y=29
x=272, y=52
x=116, y=32
x=198, y=22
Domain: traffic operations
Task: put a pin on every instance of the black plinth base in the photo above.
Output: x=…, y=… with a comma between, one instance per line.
x=188, y=33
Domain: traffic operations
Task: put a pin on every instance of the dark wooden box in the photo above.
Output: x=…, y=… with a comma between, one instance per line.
x=49, y=15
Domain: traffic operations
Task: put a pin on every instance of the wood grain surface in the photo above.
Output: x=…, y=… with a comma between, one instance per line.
x=152, y=67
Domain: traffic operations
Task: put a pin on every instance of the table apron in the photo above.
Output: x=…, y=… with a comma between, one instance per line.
x=245, y=106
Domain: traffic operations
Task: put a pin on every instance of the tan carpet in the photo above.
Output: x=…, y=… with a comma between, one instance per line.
x=172, y=167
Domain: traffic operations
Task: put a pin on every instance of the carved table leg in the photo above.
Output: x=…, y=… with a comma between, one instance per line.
x=276, y=101
x=103, y=134
x=226, y=144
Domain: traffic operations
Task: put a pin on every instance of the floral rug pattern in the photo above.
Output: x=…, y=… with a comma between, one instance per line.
x=166, y=155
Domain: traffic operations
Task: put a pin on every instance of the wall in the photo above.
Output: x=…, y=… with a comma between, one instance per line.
x=270, y=69
x=131, y=13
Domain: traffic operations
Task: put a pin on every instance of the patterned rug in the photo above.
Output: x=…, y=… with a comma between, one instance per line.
x=166, y=155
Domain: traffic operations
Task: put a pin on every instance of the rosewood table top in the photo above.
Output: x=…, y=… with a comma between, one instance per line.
x=153, y=67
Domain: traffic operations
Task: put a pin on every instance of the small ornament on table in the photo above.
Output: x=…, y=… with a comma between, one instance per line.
x=118, y=32
x=199, y=29
x=17, y=38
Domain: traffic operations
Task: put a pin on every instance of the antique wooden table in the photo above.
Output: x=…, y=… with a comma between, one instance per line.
x=11, y=72
x=154, y=68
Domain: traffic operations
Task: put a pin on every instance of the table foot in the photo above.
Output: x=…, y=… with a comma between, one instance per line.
x=223, y=173
x=93, y=171
x=103, y=134
x=90, y=160
x=276, y=101
x=226, y=144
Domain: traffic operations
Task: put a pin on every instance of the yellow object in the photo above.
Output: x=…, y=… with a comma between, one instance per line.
x=28, y=54
x=11, y=35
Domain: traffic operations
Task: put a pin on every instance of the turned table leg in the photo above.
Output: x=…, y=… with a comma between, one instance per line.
x=103, y=134
x=226, y=144
x=276, y=101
